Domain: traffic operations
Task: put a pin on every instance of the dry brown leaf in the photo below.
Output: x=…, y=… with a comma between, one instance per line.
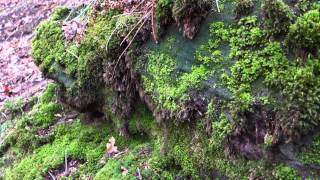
x=111, y=148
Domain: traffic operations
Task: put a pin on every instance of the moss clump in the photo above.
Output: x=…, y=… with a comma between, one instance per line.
x=23, y=136
x=48, y=45
x=243, y=7
x=79, y=66
x=168, y=88
x=284, y=172
x=78, y=141
x=142, y=122
x=277, y=17
x=304, y=34
x=182, y=8
x=60, y=13
x=311, y=154
x=163, y=11
x=134, y=162
x=15, y=106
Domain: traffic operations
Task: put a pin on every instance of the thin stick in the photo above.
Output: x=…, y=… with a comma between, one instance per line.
x=153, y=20
x=65, y=163
x=114, y=70
x=51, y=175
x=137, y=6
x=217, y=3
x=139, y=174
x=141, y=19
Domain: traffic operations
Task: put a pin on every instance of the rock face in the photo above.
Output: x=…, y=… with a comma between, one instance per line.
x=229, y=91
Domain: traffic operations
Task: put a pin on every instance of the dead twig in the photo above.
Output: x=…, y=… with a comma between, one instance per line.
x=114, y=69
x=125, y=38
x=51, y=175
x=153, y=20
x=65, y=163
x=139, y=174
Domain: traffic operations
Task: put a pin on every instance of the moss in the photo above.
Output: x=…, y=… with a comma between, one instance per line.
x=163, y=11
x=22, y=139
x=13, y=106
x=78, y=67
x=49, y=94
x=78, y=141
x=60, y=13
x=310, y=155
x=222, y=127
x=48, y=44
x=182, y=8
x=282, y=172
x=22, y=136
x=303, y=35
x=44, y=116
x=131, y=161
x=165, y=85
x=243, y=7
x=143, y=122
x=277, y=17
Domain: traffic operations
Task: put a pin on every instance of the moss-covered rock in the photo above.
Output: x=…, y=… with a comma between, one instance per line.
x=226, y=112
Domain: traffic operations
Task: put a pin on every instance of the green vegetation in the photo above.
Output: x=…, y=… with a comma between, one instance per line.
x=304, y=34
x=243, y=7
x=310, y=155
x=35, y=153
x=265, y=88
x=163, y=11
x=165, y=85
x=283, y=172
x=277, y=17
x=135, y=161
x=15, y=106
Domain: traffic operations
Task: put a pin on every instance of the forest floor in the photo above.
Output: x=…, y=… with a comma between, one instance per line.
x=19, y=76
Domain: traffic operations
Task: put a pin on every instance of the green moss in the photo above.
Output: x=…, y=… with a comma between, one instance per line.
x=163, y=11
x=22, y=136
x=44, y=116
x=311, y=154
x=168, y=87
x=143, y=122
x=222, y=128
x=78, y=66
x=283, y=172
x=277, y=17
x=60, y=13
x=13, y=106
x=78, y=141
x=181, y=8
x=131, y=161
x=48, y=44
x=49, y=94
x=243, y=7
x=303, y=35
x=22, y=139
